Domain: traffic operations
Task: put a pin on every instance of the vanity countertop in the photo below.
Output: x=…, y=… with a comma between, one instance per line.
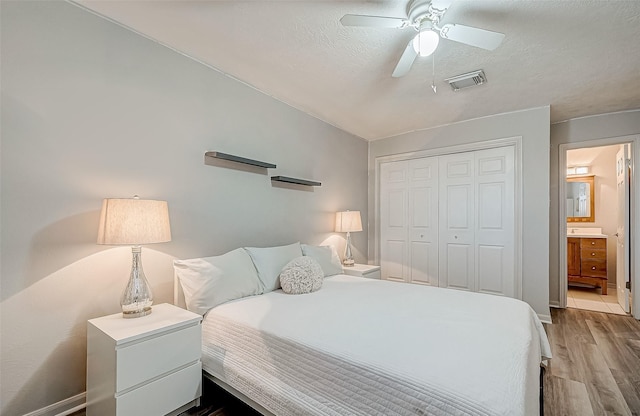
x=592, y=232
x=582, y=235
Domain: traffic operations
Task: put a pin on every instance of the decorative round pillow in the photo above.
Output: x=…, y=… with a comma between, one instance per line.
x=301, y=275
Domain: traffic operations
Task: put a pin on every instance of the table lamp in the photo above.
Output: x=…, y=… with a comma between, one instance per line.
x=348, y=222
x=134, y=222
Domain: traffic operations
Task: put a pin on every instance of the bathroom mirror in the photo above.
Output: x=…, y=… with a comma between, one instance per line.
x=580, y=196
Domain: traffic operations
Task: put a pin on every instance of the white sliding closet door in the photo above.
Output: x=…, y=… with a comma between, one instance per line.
x=495, y=216
x=449, y=221
x=423, y=221
x=393, y=220
x=477, y=218
x=457, y=221
x=409, y=220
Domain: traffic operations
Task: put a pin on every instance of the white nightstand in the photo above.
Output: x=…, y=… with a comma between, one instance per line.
x=144, y=366
x=363, y=270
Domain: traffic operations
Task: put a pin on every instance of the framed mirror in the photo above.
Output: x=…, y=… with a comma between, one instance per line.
x=580, y=195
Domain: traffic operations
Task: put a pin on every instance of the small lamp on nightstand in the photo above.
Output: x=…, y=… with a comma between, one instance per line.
x=348, y=222
x=134, y=222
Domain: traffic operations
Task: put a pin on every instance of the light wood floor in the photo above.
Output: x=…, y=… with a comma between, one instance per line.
x=595, y=368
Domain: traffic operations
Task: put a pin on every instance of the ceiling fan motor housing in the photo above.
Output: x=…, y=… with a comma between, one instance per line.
x=420, y=11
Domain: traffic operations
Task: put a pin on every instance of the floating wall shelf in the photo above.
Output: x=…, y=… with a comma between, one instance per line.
x=238, y=159
x=295, y=181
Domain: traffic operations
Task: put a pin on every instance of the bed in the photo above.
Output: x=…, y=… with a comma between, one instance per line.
x=360, y=346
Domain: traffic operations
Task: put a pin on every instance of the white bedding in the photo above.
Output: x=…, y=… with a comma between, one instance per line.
x=362, y=346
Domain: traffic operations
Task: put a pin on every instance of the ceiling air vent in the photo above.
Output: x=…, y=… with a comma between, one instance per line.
x=469, y=79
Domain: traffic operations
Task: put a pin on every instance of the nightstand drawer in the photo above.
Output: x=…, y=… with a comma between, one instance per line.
x=142, y=361
x=163, y=395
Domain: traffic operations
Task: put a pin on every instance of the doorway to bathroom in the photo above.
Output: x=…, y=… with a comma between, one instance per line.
x=596, y=199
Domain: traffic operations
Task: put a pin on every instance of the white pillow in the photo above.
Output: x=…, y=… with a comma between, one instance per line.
x=269, y=262
x=301, y=275
x=211, y=281
x=326, y=256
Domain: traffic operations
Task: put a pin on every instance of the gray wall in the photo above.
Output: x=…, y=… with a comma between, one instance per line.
x=573, y=131
x=91, y=110
x=533, y=126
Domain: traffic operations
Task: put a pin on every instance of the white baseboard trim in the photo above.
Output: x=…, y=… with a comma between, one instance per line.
x=545, y=319
x=63, y=407
x=554, y=304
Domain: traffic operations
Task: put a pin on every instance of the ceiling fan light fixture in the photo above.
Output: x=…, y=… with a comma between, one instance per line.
x=426, y=42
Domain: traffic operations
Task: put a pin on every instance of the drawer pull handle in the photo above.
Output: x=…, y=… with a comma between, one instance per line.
x=593, y=268
x=593, y=254
x=593, y=243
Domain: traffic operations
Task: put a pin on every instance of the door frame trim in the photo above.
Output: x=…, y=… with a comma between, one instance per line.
x=515, y=142
x=634, y=215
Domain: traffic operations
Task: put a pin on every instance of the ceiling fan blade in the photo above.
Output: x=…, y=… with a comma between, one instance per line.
x=406, y=60
x=479, y=38
x=372, y=21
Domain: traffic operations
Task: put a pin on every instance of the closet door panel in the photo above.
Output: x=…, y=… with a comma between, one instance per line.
x=422, y=268
x=495, y=233
x=396, y=211
x=459, y=266
x=393, y=220
x=394, y=260
x=423, y=220
x=421, y=244
x=456, y=219
x=491, y=278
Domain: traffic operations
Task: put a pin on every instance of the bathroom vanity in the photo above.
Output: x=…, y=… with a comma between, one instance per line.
x=587, y=257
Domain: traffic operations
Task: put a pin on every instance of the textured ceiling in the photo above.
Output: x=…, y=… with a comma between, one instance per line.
x=581, y=57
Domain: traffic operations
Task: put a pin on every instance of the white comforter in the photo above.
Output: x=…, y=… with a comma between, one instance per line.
x=362, y=346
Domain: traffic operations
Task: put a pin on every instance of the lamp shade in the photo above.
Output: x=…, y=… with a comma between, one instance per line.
x=134, y=222
x=348, y=221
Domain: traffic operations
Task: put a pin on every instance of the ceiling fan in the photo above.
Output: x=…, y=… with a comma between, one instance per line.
x=424, y=17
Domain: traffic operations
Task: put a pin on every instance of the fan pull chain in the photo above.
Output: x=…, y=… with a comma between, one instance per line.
x=433, y=79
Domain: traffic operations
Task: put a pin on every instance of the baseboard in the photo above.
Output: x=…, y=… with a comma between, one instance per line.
x=63, y=407
x=554, y=304
x=545, y=319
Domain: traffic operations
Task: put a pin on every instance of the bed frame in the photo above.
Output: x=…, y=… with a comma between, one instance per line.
x=178, y=300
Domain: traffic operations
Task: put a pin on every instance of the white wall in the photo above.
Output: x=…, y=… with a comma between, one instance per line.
x=574, y=131
x=602, y=162
x=533, y=126
x=91, y=110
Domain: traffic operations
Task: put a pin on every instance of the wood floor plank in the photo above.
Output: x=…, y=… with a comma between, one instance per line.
x=574, y=326
x=616, y=351
x=595, y=366
x=604, y=393
x=629, y=389
x=564, y=397
x=562, y=364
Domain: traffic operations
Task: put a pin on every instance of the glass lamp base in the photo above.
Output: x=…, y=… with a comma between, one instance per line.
x=348, y=257
x=136, y=300
x=136, y=313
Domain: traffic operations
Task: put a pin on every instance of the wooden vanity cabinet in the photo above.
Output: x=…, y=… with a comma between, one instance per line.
x=587, y=261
